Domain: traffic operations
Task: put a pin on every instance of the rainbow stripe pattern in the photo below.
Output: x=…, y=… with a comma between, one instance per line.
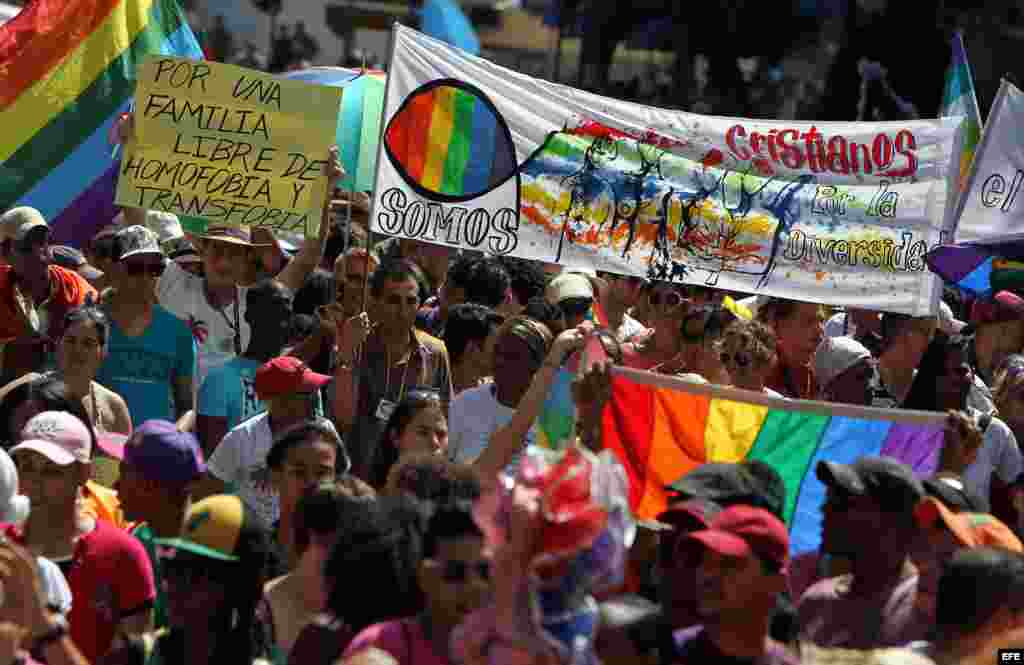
x=959, y=98
x=448, y=140
x=67, y=70
x=663, y=427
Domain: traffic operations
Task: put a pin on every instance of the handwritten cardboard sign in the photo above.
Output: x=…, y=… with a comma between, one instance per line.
x=233, y=146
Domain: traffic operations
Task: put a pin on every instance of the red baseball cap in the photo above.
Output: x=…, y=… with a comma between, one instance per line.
x=744, y=531
x=285, y=375
x=1005, y=306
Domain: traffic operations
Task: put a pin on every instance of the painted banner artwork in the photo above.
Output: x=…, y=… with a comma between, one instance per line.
x=230, y=145
x=662, y=427
x=482, y=157
x=67, y=71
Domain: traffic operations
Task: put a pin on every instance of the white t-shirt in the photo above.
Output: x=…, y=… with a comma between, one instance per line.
x=998, y=453
x=475, y=414
x=628, y=329
x=836, y=326
x=184, y=295
x=979, y=397
x=241, y=460
x=54, y=586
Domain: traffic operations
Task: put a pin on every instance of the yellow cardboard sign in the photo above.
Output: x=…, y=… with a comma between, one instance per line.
x=231, y=145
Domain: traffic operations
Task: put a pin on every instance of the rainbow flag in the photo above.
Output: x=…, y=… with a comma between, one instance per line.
x=662, y=427
x=450, y=141
x=67, y=70
x=958, y=98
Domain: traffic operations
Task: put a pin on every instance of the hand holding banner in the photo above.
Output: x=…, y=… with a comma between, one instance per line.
x=232, y=145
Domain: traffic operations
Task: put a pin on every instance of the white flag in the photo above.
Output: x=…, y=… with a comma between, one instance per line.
x=993, y=205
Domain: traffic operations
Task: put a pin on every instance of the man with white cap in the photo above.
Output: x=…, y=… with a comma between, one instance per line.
x=151, y=354
x=34, y=294
x=844, y=369
x=573, y=294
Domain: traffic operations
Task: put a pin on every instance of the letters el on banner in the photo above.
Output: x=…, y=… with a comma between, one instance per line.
x=232, y=145
x=991, y=208
x=478, y=156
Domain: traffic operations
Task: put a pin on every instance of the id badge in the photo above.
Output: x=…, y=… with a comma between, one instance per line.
x=385, y=409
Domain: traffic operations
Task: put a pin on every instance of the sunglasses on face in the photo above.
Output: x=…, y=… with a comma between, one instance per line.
x=31, y=244
x=152, y=269
x=399, y=301
x=666, y=299
x=740, y=359
x=575, y=307
x=704, y=321
x=186, y=573
x=457, y=572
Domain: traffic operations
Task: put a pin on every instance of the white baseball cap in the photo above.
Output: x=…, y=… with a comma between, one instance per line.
x=14, y=507
x=835, y=355
x=948, y=323
x=16, y=223
x=568, y=285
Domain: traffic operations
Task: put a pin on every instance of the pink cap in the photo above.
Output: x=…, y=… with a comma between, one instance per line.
x=58, y=436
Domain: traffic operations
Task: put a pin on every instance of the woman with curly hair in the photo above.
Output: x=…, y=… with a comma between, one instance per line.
x=748, y=352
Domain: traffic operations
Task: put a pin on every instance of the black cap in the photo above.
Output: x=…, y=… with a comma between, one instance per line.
x=751, y=483
x=890, y=483
x=954, y=494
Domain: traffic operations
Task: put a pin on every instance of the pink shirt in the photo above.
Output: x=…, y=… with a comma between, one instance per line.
x=830, y=616
x=403, y=639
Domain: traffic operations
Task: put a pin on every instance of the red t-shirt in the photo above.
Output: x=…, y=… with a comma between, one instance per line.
x=110, y=578
x=68, y=290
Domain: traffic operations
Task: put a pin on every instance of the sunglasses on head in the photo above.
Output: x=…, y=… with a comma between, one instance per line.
x=154, y=269
x=666, y=299
x=457, y=572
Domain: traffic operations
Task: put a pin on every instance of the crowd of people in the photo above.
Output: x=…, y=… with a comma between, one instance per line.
x=220, y=447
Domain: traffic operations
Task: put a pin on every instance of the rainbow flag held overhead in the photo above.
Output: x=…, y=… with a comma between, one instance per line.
x=958, y=98
x=662, y=427
x=67, y=71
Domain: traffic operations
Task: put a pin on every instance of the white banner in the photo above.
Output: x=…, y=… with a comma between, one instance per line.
x=990, y=207
x=478, y=156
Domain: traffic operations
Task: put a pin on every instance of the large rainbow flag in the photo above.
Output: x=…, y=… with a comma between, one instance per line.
x=67, y=70
x=662, y=427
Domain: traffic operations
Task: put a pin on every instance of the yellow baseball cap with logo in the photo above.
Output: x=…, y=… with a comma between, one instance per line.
x=215, y=528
